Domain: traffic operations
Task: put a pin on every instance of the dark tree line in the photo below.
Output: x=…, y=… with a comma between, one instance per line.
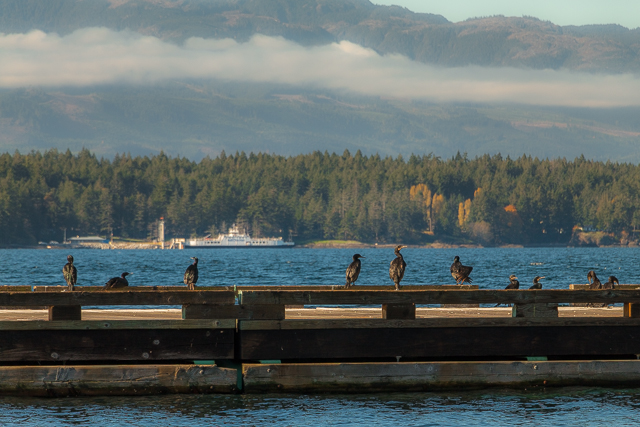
x=316, y=196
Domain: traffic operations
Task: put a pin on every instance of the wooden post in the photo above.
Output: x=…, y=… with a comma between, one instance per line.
x=631, y=310
x=398, y=311
x=535, y=310
x=65, y=312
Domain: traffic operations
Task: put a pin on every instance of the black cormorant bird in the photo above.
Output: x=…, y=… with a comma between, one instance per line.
x=536, y=282
x=594, y=282
x=191, y=275
x=70, y=273
x=117, y=282
x=460, y=272
x=513, y=284
x=611, y=284
x=396, y=269
x=353, y=271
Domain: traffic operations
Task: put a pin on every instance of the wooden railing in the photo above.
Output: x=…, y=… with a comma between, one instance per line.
x=440, y=297
x=249, y=323
x=268, y=303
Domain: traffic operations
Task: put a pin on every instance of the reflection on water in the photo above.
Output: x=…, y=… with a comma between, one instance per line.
x=553, y=407
x=492, y=267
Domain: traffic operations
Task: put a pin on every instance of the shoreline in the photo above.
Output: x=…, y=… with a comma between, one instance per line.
x=327, y=245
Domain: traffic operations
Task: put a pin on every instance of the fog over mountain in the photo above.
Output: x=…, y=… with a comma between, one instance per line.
x=195, y=77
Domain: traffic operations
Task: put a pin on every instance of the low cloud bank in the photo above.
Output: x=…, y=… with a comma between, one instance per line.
x=94, y=56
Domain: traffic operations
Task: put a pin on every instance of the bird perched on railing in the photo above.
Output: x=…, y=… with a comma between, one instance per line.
x=594, y=282
x=513, y=284
x=397, y=267
x=117, y=282
x=611, y=283
x=70, y=273
x=353, y=271
x=191, y=274
x=536, y=282
x=460, y=272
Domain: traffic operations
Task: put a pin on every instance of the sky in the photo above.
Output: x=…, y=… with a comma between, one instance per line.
x=97, y=56
x=560, y=12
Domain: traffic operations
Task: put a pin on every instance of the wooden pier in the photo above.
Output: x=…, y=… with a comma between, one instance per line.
x=256, y=339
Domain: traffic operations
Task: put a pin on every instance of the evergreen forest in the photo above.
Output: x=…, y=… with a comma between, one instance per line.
x=487, y=200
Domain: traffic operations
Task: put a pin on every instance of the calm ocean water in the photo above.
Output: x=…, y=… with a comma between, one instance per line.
x=224, y=267
x=492, y=267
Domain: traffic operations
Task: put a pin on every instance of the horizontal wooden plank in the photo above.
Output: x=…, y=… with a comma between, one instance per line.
x=433, y=322
x=116, y=297
x=15, y=288
x=44, y=325
x=622, y=287
x=104, y=345
x=115, y=380
x=354, y=287
x=238, y=289
x=88, y=288
x=535, y=310
x=444, y=343
x=201, y=311
x=433, y=376
x=440, y=297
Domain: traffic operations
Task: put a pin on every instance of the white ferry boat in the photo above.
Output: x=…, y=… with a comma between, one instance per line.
x=237, y=238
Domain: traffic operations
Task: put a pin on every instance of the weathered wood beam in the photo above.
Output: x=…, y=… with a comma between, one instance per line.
x=535, y=310
x=439, y=297
x=117, y=297
x=15, y=288
x=433, y=376
x=621, y=287
x=44, y=325
x=90, y=288
x=257, y=312
x=436, y=322
x=115, y=380
x=356, y=287
x=143, y=345
x=439, y=343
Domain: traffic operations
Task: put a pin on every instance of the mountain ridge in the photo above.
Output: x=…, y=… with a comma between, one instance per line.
x=196, y=118
x=488, y=41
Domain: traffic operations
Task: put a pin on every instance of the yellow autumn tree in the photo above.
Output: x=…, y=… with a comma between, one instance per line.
x=422, y=193
x=437, y=203
x=464, y=210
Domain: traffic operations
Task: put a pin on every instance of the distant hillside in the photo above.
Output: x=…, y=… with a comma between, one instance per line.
x=196, y=119
x=199, y=120
x=493, y=41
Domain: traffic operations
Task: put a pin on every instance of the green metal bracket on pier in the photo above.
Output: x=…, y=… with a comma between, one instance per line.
x=204, y=362
x=238, y=367
x=537, y=358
